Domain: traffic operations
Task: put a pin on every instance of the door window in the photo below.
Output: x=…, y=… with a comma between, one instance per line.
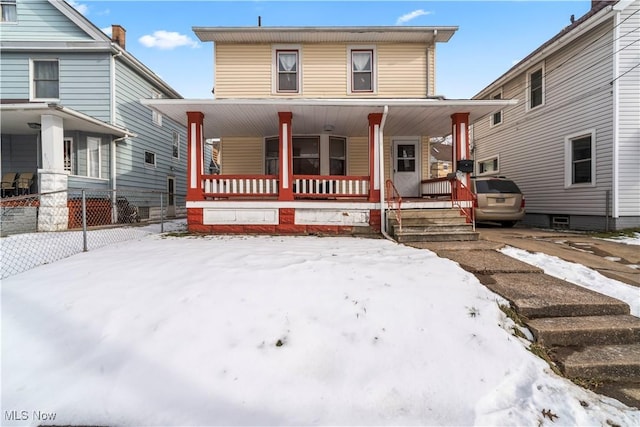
x=406, y=158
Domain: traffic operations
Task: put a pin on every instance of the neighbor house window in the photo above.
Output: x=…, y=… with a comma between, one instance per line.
x=306, y=155
x=155, y=116
x=271, y=155
x=176, y=145
x=488, y=166
x=149, y=158
x=337, y=155
x=93, y=157
x=8, y=10
x=46, y=84
x=69, y=157
x=496, y=118
x=287, y=65
x=536, y=88
x=580, y=158
x=362, y=70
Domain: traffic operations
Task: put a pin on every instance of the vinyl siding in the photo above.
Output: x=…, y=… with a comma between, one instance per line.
x=629, y=112
x=131, y=168
x=242, y=155
x=83, y=78
x=244, y=71
x=38, y=20
x=358, y=156
x=531, y=143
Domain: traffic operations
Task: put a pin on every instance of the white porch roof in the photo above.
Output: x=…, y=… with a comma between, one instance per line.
x=348, y=117
x=15, y=119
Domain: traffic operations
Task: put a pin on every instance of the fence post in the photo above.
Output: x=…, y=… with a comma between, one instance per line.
x=161, y=213
x=84, y=221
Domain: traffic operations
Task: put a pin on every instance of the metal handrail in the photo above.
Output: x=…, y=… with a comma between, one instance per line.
x=393, y=197
x=461, y=193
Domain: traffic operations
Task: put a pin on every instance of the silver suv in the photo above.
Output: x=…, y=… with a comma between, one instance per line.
x=498, y=199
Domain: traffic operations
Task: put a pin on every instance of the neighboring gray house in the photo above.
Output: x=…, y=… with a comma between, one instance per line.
x=572, y=143
x=71, y=113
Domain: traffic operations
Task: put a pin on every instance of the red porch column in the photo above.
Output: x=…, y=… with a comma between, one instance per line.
x=285, y=169
x=195, y=157
x=374, y=173
x=460, y=136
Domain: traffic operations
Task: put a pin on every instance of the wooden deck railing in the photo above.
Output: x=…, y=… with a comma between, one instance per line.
x=436, y=187
x=322, y=186
x=240, y=185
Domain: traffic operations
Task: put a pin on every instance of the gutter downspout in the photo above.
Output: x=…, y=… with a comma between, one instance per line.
x=113, y=148
x=383, y=219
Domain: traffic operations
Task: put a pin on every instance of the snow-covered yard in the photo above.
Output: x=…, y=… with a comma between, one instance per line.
x=175, y=331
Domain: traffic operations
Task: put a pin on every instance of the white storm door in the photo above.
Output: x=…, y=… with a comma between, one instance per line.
x=406, y=166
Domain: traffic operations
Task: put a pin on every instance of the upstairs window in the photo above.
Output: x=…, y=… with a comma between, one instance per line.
x=46, y=84
x=176, y=145
x=536, y=88
x=580, y=159
x=362, y=78
x=496, y=118
x=288, y=66
x=155, y=116
x=150, y=159
x=8, y=11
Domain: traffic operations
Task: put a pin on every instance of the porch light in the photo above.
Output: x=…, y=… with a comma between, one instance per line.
x=328, y=128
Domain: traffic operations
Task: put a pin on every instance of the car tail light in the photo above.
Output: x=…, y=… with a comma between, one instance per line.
x=522, y=203
x=475, y=202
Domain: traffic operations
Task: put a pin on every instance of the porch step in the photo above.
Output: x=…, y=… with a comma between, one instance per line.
x=617, y=362
x=431, y=225
x=587, y=330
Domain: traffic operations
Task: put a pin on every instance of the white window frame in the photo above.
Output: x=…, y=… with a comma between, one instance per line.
x=155, y=159
x=374, y=69
x=72, y=168
x=568, y=159
x=156, y=117
x=98, y=142
x=175, y=145
x=496, y=95
x=541, y=68
x=32, y=82
x=9, y=3
x=486, y=160
x=274, y=68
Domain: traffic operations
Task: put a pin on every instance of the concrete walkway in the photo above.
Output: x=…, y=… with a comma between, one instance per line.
x=591, y=337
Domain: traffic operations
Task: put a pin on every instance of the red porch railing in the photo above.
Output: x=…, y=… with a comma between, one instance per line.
x=225, y=186
x=323, y=186
x=464, y=199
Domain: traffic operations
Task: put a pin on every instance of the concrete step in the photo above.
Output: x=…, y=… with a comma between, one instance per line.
x=433, y=220
x=451, y=228
x=626, y=392
x=587, y=330
x=436, y=236
x=602, y=362
x=430, y=213
x=541, y=295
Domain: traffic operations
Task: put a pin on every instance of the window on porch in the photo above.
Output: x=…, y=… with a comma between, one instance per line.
x=310, y=155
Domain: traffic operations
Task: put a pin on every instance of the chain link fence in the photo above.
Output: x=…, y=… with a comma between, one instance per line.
x=41, y=228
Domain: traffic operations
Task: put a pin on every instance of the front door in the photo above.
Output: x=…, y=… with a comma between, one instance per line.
x=406, y=166
x=171, y=197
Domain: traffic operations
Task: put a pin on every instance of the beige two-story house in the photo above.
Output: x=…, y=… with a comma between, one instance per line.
x=318, y=126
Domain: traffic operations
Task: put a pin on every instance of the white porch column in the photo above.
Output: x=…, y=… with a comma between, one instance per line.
x=53, y=214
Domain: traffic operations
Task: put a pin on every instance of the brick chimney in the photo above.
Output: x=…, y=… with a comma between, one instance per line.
x=118, y=35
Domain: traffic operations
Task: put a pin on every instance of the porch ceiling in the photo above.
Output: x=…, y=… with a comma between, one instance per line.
x=15, y=119
x=348, y=117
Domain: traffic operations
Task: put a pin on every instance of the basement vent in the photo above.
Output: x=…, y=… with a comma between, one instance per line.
x=144, y=212
x=560, y=222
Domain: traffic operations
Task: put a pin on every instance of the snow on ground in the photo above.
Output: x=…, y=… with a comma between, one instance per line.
x=635, y=240
x=168, y=331
x=579, y=275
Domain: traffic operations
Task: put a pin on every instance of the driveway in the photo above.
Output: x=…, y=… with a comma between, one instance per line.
x=617, y=261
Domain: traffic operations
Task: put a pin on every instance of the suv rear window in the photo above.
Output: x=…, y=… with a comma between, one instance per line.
x=496, y=186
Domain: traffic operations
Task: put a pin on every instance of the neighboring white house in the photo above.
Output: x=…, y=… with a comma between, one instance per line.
x=572, y=143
